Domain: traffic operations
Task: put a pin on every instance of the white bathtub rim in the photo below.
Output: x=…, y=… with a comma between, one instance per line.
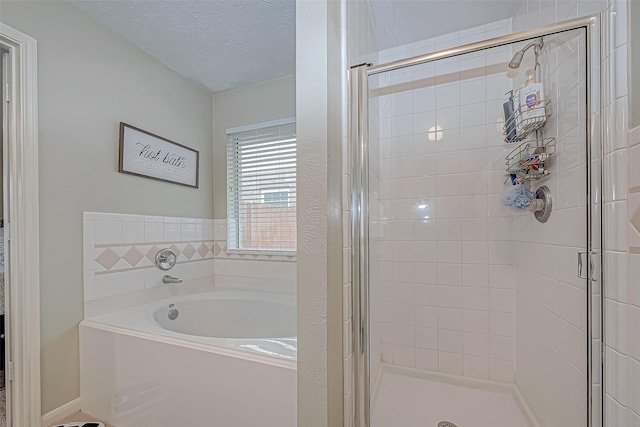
x=139, y=321
x=224, y=351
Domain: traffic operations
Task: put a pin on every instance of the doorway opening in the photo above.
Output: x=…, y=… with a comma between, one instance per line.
x=19, y=253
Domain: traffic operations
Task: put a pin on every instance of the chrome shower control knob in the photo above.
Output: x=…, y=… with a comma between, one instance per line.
x=536, y=205
x=166, y=259
x=542, y=205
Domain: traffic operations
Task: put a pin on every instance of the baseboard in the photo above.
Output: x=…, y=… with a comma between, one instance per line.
x=61, y=412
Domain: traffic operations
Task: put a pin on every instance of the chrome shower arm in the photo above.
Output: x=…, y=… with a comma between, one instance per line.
x=519, y=55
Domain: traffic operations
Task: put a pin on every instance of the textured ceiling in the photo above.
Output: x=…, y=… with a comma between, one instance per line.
x=398, y=22
x=221, y=44
x=225, y=44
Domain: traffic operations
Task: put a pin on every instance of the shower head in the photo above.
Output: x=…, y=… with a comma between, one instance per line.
x=517, y=57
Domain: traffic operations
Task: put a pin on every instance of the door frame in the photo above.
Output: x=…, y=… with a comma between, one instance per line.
x=22, y=230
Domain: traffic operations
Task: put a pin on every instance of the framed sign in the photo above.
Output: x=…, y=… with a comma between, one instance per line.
x=152, y=156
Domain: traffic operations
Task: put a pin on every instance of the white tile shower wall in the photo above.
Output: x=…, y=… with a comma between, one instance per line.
x=620, y=197
x=622, y=227
x=550, y=299
x=447, y=299
x=120, y=250
x=624, y=389
x=622, y=262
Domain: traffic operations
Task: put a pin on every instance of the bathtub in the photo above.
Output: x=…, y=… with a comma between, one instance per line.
x=223, y=358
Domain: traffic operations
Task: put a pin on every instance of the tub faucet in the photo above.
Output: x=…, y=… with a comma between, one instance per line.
x=170, y=279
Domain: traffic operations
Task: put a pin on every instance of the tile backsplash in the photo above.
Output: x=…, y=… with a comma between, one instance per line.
x=120, y=249
x=274, y=272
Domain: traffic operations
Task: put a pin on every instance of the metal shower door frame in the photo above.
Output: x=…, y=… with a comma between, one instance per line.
x=359, y=152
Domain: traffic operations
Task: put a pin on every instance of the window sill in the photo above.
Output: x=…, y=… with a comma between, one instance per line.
x=259, y=252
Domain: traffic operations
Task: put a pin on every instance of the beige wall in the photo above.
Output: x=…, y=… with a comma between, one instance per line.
x=90, y=79
x=274, y=99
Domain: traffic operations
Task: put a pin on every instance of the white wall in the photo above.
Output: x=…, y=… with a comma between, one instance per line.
x=319, y=74
x=270, y=100
x=89, y=79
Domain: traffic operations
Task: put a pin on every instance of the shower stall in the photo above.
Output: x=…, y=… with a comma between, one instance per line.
x=476, y=233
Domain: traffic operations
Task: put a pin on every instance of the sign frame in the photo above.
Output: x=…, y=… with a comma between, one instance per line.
x=148, y=155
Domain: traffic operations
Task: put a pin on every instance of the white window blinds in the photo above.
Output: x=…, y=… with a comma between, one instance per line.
x=261, y=187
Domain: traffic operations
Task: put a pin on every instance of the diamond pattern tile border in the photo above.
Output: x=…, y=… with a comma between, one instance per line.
x=136, y=253
x=108, y=259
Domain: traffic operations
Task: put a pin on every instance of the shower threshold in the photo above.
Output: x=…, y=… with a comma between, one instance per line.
x=405, y=397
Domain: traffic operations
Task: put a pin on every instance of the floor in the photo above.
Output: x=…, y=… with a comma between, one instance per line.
x=402, y=400
x=79, y=417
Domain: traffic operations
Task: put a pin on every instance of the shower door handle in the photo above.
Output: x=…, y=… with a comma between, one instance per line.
x=592, y=266
x=580, y=253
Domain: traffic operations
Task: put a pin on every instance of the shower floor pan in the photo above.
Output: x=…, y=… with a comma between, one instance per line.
x=410, y=398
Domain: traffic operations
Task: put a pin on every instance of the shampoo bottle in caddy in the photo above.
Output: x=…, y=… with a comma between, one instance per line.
x=509, y=118
x=530, y=97
x=517, y=114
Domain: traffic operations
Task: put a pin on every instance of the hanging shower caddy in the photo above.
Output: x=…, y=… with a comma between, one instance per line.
x=528, y=160
x=524, y=127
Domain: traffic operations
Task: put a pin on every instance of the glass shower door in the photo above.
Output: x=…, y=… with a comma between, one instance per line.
x=476, y=314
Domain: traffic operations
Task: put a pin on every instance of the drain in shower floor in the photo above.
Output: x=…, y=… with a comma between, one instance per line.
x=446, y=424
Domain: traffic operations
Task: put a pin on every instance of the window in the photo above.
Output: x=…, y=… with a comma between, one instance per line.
x=276, y=198
x=261, y=187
